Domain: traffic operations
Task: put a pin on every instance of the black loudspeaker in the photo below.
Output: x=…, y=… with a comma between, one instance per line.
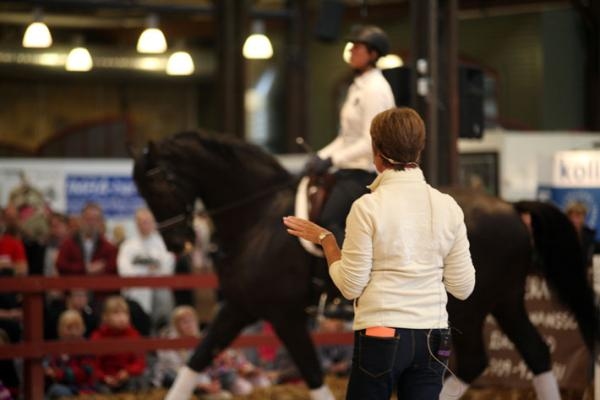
x=329, y=21
x=399, y=80
x=470, y=94
x=470, y=91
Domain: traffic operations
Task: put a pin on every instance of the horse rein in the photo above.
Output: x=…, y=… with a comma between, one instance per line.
x=248, y=199
x=183, y=217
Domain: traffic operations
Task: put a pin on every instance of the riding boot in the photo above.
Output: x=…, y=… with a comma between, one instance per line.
x=546, y=387
x=184, y=385
x=453, y=389
x=322, y=393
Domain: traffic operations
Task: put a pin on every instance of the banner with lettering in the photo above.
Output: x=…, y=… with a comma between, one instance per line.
x=571, y=362
x=575, y=178
x=67, y=186
x=117, y=195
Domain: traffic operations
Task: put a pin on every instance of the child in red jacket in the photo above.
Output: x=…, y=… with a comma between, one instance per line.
x=70, y=374
x=124, y=371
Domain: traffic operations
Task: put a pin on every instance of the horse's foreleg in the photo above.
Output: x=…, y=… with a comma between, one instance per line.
x=514, y=321
x=293, y=332
x=226, y=326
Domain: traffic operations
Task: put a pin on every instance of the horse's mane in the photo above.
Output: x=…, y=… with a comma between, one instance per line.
x=183, y=145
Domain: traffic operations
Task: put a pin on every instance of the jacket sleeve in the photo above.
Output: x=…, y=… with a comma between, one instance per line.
x=352, y=271
x=459, y=272
x=69, y=260
x=136, y=363
x=109, y=254
x=124, y=260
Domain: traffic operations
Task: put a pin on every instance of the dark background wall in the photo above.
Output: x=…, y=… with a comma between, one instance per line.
x=536, y=60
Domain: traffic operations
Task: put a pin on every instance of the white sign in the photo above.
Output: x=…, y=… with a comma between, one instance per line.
x=580, y=169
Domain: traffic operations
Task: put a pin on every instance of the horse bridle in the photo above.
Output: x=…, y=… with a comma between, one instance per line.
x=179, y=218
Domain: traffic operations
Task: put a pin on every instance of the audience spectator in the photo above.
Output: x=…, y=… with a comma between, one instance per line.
x=59, y=231
x=9, y=379
x=4, y=392
x=13, y=262
x=87, y=251
x=118, y=235
x=32, y=214
x=184, y=323
x=236, y=374
x=577, y=213
x=335, y=358
x=145, y=254
x=75, y=300
x=124, y=371
x=70, y=375
x=203, y=228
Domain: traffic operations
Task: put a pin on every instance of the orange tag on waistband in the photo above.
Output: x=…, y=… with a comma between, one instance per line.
x=380, y=331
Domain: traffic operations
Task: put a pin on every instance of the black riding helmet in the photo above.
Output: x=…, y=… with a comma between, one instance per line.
x=372, y=36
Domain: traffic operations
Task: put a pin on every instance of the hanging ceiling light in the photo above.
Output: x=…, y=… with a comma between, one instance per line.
x=79, y=58
x=258, y=46
x=37, y=34
x=180, y=63
x=152, y=40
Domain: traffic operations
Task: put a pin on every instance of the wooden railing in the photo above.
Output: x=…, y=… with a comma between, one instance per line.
x=33, y=348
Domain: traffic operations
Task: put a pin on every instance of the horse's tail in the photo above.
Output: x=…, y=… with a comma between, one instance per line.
x=561, y=259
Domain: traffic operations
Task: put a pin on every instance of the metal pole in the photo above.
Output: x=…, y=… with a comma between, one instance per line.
x=297, y=77
x=448, y=93
x=232, y=30
x=424, y=81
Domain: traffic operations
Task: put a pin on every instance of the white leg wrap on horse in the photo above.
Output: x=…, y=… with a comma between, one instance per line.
x=453, y=389
x=322, y=393
x=546, y=386
x=184, y=384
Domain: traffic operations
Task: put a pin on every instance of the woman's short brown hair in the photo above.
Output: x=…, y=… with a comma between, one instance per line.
x=398, y=134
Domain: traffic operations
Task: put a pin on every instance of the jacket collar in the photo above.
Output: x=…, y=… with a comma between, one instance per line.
x=392, y=176
x=366, y=76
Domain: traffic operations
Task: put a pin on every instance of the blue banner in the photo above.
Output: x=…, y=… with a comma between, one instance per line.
x=563, y=196
x=117, y=195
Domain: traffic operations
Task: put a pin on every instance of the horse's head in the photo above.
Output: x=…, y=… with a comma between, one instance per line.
x=170, y=201
x=224, y=172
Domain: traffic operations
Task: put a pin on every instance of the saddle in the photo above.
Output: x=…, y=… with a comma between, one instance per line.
x=319, y=187
x=329, y=306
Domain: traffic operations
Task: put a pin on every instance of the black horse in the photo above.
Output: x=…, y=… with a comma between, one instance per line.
x=264, y=273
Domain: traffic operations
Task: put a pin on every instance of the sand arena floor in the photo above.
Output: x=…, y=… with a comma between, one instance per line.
x=338, y=386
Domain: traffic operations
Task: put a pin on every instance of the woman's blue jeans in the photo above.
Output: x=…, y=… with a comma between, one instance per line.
x=407, y=360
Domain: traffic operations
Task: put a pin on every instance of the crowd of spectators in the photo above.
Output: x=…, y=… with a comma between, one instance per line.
x=77, y=245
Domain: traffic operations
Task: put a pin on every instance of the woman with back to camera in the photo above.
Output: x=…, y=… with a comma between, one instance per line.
x=405, y=246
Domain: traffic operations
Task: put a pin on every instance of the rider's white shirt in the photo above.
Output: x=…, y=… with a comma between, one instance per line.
x=369, y=94
x=405, y=246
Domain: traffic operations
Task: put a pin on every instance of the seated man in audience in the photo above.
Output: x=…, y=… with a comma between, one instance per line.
x=145, y=254
x=87, y=251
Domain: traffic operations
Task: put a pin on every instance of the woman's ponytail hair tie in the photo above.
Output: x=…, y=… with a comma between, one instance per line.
x=399, y=165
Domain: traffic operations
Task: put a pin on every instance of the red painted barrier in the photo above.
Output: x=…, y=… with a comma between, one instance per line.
x=33, y=347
